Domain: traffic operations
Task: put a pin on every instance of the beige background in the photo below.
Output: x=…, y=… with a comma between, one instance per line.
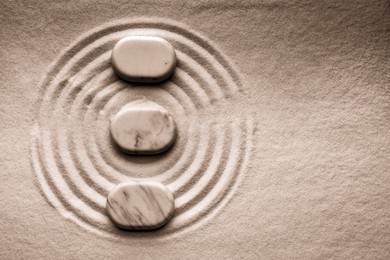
x=317, y=78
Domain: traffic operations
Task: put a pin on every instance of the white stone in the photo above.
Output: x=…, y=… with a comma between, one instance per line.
x=143, y=59
x=140, y=205
x=143, y=127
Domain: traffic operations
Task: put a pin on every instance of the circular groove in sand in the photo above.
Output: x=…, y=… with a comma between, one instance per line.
x=69, y=163
x=187, y=102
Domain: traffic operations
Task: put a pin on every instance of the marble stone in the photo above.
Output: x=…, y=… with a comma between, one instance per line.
x=143, y=59
x=143, y=127
x=139, y=205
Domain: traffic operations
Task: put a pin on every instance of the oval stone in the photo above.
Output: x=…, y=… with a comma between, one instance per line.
x=140, y=205
x=143, y=59
x=143, y=127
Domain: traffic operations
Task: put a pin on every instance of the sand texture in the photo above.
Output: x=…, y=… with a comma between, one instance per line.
x=282, y=111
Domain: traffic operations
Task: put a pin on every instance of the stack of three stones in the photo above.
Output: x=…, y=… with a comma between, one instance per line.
x=142, y=127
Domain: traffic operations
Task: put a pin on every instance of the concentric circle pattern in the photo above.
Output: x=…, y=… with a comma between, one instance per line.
x=75, y=163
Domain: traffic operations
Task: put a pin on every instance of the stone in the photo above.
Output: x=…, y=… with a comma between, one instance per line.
x=143, y=127
x=140, y=205
x=143, y=59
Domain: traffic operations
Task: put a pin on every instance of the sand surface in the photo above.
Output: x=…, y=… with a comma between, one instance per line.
x=283, y=116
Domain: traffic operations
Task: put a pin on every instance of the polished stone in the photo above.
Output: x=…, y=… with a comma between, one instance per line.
x=140, y=205
x=143, y=59
x=143, y=127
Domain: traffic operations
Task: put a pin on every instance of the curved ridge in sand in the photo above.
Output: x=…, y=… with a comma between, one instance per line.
x=72, y=155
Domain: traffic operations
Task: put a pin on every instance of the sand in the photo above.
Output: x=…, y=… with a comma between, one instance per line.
x=283, y=115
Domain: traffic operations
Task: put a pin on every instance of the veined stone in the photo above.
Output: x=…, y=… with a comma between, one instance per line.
x=138, y=205
x=143, y=127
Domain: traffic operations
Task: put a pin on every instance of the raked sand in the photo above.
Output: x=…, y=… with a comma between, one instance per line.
x=283, y=129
